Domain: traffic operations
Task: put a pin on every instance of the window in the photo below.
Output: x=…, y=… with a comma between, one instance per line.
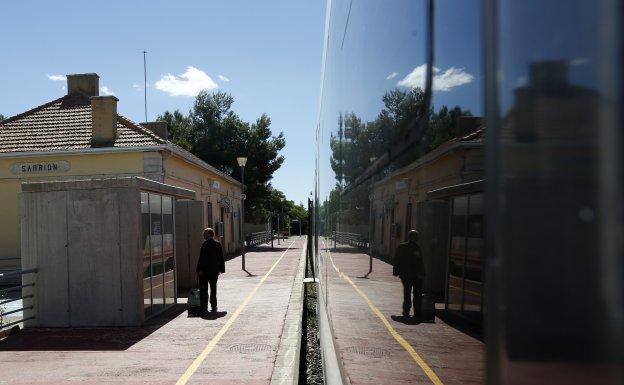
x=209, y=219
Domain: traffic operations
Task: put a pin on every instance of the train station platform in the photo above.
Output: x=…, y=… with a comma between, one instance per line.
x=240, y=344
x=379, y=346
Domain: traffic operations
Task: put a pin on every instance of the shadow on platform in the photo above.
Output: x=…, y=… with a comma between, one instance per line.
x=88, y=339
x=460, y=323
x=407, y=320
x=215, y=315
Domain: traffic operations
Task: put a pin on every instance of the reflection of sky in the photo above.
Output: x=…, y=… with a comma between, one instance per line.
x=545, y=30
x=458, y=43
x=383, y=47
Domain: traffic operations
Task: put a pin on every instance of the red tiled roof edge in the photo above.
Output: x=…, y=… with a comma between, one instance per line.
x=140, y=129
x=31, y=111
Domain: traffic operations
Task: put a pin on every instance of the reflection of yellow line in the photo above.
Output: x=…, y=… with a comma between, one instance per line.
x=406, y=345
x=466, y=290
x=215, y=340
x=160, y=284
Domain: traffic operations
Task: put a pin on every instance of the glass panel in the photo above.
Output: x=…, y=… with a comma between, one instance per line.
x=558, y=184
x=408, y=221
x=556, y=208
x=232, y=223
x=474, y=259
x=156, y=239
x=209, y=219
x=221, y=231
x=168, y=249
x=145, y=254
x=457, y=253
x=386, y=150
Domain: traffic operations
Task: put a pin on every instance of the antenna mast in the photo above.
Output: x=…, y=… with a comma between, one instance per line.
x=145, y=82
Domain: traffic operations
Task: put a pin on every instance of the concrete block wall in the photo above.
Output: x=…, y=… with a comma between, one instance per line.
x=84, y=237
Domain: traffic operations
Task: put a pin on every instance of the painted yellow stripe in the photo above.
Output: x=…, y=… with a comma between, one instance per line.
x=406, y=345
x=466, y=290
x=215, y=340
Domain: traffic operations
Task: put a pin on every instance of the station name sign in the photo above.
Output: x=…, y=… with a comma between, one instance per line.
x=40, y=167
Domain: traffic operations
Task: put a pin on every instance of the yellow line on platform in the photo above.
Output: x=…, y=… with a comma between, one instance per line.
x=402, y=341
x=215, y=340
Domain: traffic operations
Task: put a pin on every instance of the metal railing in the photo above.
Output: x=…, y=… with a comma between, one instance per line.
x=351, y=239
x=4, y=299
x=258, y=238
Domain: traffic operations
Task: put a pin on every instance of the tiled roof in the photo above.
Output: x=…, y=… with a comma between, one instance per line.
x=65, y=124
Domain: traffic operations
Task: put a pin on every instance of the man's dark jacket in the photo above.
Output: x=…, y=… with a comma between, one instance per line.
x=408, y=261
x=211, y=260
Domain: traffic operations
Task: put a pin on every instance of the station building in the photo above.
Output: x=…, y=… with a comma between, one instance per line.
x=81, y=136
x=440, y=195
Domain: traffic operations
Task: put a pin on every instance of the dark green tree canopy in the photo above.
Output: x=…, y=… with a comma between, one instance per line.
x=216, y=134
x=356, y=141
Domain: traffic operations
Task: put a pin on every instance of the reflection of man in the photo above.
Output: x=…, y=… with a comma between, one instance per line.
x=409, y=266
x=209, y=266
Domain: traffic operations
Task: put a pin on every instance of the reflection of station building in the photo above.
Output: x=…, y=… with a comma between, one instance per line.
x=441, y=195
x=81, y=137
x=549, y=162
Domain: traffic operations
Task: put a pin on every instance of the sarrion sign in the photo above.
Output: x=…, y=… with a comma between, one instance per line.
x=40, y=167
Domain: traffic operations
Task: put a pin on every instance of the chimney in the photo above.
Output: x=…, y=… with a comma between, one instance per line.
x=159, y=128
x=86, y=83
x=104, y=120
x=468, y=124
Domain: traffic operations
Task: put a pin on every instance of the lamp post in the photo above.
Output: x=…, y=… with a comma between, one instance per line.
x=241, y=162
x=278, y=230
x=282, y=210
x=371, y=232
x=270, y=190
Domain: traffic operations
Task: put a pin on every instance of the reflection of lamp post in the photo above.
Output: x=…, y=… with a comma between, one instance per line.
x=282, y=210
x=278, y=229
x=371, y=232
x=241, y=162
x=270, y=189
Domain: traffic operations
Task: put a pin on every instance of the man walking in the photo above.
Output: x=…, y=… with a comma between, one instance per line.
x=409, y=266
x=209, y=266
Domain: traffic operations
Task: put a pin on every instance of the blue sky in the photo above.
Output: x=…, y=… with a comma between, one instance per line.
x=267, y=54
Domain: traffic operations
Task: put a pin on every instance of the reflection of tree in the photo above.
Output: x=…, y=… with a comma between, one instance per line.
x=356, y=141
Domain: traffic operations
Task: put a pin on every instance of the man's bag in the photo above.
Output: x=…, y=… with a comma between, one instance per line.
x=193, y=304
x=427, y=309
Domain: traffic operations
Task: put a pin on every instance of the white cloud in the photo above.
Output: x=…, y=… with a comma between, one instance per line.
x=190, y=83
x=579, y=61
x=106, y=91
x=392, y=76
x=139, y=86
x=522, y=81
x=57, y=78
x=223, y=78
x=442, y=81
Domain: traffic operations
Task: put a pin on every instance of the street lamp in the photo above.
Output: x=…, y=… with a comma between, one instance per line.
x=282, y=210
x=242, y=161
x=278, y=229
x=270, y=190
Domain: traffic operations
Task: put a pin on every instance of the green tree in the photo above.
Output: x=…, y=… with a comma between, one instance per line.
x=216, y=134
x=2, y=117
x=272, y=207
x=180, y=131
x=356, y=141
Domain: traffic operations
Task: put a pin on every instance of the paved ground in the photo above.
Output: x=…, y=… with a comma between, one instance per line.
x=416, y=354
x=238, y=347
